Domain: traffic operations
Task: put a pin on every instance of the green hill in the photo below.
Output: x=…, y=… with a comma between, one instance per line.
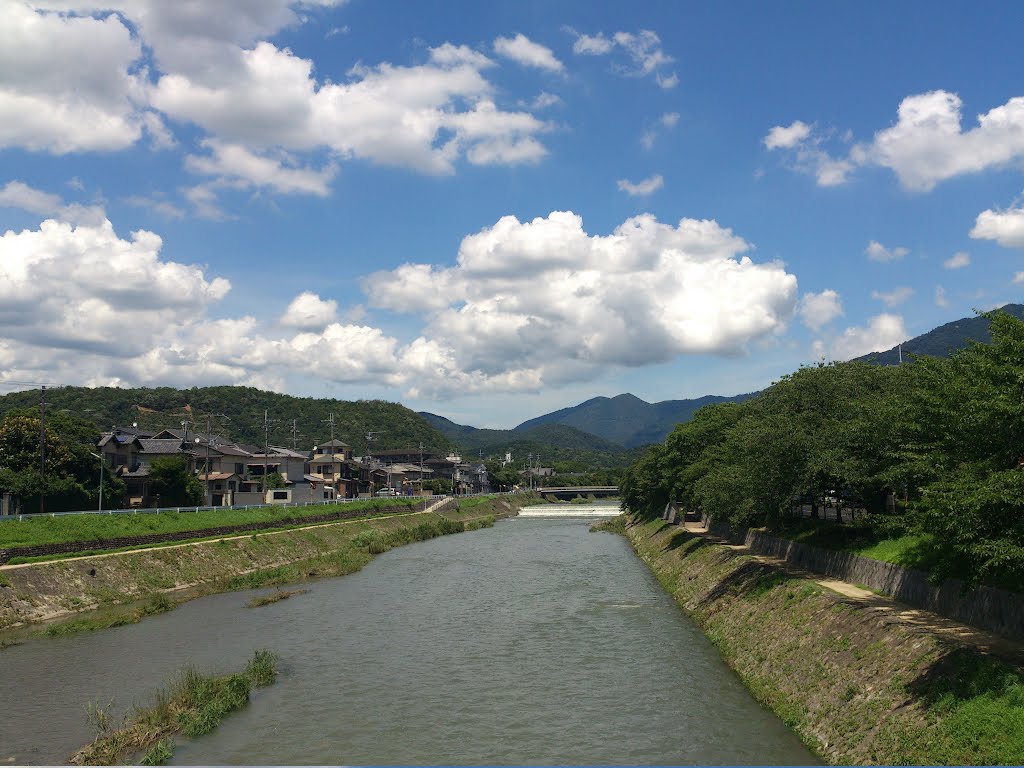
x=944, y=340
x=159, y=408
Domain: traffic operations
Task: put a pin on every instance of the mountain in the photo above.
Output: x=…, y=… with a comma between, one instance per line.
x=154, y=409
x=944, y=340
x=553, y=443
x=626, y=419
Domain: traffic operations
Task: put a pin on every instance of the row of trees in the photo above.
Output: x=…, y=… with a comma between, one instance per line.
x=943, y=436
x=69, y=477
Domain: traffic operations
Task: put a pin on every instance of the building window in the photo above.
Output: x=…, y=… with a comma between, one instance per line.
x=280, y=495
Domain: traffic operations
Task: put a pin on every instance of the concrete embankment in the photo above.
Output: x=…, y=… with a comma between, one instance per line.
x=857, y=687
x=49, y=590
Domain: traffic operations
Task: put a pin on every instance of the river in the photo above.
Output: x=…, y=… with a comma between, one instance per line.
x=534, y=642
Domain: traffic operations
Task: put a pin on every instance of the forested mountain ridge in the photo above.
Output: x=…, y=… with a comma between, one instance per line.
x=944, y=340
x=555, y=444
x=626, y=419
x=153, y=409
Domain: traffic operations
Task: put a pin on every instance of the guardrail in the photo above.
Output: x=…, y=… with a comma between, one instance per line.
x=157, y=510
x=288, y=505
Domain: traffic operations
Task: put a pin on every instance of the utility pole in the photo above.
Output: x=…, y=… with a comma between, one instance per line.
x=295, y=434
x=421, y=469
x=42, y=449
x=331, y=422
x=266, y=450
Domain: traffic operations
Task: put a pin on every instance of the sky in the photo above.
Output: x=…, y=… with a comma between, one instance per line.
x=494, y=210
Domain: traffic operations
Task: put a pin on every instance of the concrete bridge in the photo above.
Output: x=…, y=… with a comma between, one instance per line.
x=569, y=492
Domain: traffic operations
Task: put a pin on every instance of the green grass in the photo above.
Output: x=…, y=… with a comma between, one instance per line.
x=72, y=528
x=158, y=603
x=193, y=704
x=976, y=707
x=864, y=539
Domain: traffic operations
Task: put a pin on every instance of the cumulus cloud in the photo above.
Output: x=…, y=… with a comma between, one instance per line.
x=958, y=260
x=1005, y=227
x=895, y=297
x=926, y=145
x=80, y=75
x=528, y=53
x=878, y=252
x=642, y=188
x=819, y=309
x=883, y=332
x=643, y=52
x=527, y=300
x=67, y=82
x=787, y=137
x=309, y=312
x=940, y=297
x=1018, y=278
x=85, y=288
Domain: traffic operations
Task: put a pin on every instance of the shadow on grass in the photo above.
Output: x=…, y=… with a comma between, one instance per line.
x=978, y=702
x=751, y=579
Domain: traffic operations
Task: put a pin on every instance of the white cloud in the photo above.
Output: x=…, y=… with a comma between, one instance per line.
x=928, y=145
x=642, y=48
x=17, y=194
x=804, y=149
x=925, y=146
x=236, y=166
x=157, y=205
x=541, y=302
x=940, y=297
x=878, y=252
x=642, y=188
x=787, y=137
x=667, y=121
x=528, y=53
x=309, y=312
x=66, y=81
x=84, y=288
x=1018, y=278
x=819, y=309
x=545, y=100
x=592, y=45
x=895, y=297
x=1005, y=227
x=883, y=332
x=958, y=260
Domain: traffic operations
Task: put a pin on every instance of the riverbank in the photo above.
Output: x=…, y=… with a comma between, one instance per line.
x=117, y=583
x=855, y=686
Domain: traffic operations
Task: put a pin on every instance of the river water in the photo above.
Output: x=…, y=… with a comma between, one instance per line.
x=534, y=642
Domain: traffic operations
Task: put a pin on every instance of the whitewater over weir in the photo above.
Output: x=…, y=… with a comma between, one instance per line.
x=597, y=509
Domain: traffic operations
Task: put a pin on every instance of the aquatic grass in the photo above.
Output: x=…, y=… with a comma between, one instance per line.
x=157, y=603
x=274, y=597
x=192, y=704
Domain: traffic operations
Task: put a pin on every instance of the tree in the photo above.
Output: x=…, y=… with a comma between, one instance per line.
x=175, y=485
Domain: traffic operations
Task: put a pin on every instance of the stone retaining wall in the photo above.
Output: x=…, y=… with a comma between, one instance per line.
x=988, y=608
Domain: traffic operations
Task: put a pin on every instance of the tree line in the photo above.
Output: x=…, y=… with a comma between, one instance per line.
x=933, y=448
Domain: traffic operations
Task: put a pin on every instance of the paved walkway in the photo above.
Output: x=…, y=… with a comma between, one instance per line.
x=926, y=621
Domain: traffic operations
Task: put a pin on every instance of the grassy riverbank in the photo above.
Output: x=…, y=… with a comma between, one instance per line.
x=192, y=704
x=856, y=687
x=115, y=589
x=35, y=531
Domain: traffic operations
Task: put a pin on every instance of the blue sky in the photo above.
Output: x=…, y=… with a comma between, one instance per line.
x=493, y=210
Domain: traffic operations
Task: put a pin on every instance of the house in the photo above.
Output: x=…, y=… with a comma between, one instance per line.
x=332, y=465
x=221, y=487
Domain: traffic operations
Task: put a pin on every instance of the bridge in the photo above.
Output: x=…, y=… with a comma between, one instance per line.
x=570, y=492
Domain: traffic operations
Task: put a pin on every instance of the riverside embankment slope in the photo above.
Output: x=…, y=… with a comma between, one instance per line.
x=38, y=592
x=858, y=687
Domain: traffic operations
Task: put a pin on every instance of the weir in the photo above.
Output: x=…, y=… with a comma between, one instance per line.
x=597, y=509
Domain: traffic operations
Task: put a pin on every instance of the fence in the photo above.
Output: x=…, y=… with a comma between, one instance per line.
x=156, y=510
